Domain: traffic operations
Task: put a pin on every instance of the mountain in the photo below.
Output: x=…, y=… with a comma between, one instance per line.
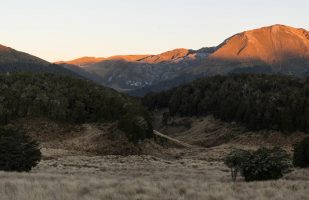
x=9, y=55
x=86, y=61
x=276, y=49
x=272, y=45
x=129, y=72
x=124, y=75
x=15, y=61
x=83, y=73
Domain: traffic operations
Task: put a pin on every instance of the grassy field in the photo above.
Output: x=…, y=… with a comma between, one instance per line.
x=70, y=168
x=67, y=175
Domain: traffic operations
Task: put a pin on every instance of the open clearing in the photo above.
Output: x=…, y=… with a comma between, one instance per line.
x=67, y=175
x=71, y=169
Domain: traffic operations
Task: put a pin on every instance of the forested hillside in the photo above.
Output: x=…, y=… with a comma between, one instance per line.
x=257, y=101
x=70, y=100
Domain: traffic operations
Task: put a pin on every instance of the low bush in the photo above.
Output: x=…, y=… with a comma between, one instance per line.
x=263, y=164
x=18, y=152
x=301, y=154
x=236, y=160
x=135, y=127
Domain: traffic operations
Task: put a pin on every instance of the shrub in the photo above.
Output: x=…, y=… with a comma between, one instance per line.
x=135, y=127
x=301, y=154
x=236, y=160
x=267, y=164
x=263, y=164
x=18, y=152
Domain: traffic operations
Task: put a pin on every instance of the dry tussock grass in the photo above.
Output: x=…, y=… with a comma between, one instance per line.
x=51, y=187
x=163, y=174
x=66, y=175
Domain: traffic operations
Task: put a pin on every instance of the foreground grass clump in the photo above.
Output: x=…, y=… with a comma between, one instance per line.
x=263, y=164
x=67, y=99
x=301, y=154
x=18, y=152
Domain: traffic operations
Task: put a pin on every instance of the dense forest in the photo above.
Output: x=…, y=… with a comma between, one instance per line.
x=257, y=101
x=70, y=100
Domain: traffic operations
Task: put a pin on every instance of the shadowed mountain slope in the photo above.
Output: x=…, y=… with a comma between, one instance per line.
x=15, y=61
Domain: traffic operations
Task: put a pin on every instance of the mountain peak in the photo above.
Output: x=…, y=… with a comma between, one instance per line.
x=270, y=45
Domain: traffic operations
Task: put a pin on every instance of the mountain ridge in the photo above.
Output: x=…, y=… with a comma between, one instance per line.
x=12, y=60
x=276, y=49
x=10, y=55
x=264, y=43
x=145, y=58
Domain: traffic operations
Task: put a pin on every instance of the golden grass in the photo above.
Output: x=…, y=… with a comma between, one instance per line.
x=63, y=175
x=164, y=174
x=50, y=187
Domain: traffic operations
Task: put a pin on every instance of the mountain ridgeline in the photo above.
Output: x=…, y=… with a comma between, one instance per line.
x=12, y=61
x=276, y=49
x=272, y=102
x=131, y=72
x=70, y=100
x=279, y=49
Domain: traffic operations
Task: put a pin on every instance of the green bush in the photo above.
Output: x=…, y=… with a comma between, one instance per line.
x=236, y=161
x=301, y=154
x=18, y=152
x=267, y=164
x=263, y=164
x=135, y=127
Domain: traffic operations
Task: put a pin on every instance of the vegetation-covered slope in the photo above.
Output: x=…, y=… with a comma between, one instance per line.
x=12, y=60
x=70, y=100
x=257, y=101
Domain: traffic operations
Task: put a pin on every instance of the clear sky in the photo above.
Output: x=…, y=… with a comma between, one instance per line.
x=66, y=29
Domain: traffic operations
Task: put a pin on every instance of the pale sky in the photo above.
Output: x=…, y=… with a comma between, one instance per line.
x=66, y=29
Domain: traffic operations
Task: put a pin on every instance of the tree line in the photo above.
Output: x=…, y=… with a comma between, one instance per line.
x=68, y=99
x=274, y=102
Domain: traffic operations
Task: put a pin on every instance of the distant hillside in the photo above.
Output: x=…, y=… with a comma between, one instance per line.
x=165, y=85
x=84, y=73
x=130, y=72
x=271, y=102
x=84, y=61
x=16, y=61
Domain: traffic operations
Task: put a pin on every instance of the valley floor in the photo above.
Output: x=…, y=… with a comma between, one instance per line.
x=196, y=174
x=70, y=169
